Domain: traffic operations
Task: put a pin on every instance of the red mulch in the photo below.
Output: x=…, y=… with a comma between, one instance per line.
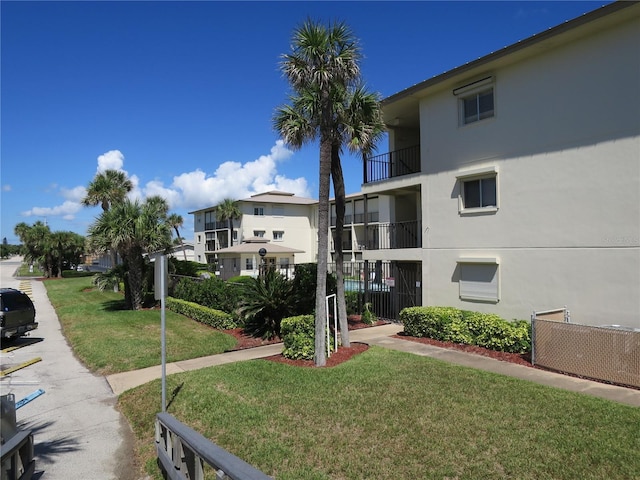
x=343, y=354
x=520, y=359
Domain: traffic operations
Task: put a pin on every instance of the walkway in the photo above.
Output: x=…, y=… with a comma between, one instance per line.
x=383, y=336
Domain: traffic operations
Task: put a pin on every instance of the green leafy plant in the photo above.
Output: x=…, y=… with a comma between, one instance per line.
x=266, y=300
x=368, y=316
x=208, y=316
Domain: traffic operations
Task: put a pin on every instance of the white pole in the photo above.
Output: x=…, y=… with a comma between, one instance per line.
x=326, y=302
x=163, y=330
x=335, y=321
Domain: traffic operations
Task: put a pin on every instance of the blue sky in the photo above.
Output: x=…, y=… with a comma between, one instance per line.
x=180, y=95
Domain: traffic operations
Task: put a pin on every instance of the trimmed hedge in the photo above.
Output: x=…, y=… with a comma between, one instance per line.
x=450, y=324
x=208, y=316
x=298, y=336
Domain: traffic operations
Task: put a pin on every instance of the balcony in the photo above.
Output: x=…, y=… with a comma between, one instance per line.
x=392, y=164
x=357, y=218
x=394, y=235
x=216, y=225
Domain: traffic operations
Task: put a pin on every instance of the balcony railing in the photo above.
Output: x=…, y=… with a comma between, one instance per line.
x=392, y=164
x=394, y=235
x=216, y=225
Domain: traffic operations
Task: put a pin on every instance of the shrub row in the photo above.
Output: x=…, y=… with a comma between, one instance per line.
x=209, y=292
x=208, y=316
x=450, y=324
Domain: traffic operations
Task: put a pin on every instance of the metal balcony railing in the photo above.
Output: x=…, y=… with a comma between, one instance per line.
x=392, y=164
x=394, y=235
x=216, y=225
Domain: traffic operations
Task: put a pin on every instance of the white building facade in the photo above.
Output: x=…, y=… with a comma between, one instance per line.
x=513, y=182
x=282, y=224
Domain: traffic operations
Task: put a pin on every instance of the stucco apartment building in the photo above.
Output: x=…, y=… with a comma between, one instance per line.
x=281, y=225
x=512, y=183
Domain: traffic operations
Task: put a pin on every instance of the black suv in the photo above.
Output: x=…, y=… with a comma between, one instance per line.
x=17, y=313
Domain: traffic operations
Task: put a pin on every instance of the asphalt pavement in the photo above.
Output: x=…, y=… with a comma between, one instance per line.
x=78, y=432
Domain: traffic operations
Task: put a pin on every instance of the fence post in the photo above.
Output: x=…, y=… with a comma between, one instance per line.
x=533, y=338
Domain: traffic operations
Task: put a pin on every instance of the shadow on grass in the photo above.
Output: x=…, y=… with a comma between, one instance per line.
x=114, y=305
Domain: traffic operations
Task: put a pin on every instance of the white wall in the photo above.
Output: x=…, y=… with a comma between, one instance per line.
x=566, y=144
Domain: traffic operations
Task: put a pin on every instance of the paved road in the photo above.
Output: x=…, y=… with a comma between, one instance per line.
x=78, y=432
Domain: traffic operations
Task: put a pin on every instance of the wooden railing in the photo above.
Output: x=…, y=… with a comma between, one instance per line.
x=182, y=453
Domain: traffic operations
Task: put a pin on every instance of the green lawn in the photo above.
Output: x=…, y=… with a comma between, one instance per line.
x=388, y=414
x=111, y=340
x=384, y=414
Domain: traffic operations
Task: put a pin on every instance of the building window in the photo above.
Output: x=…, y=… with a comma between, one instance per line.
x=477, y=106
x=476, y=100
x=258, y=233
x=478, y=191
x=249, y=264
x=259, y=211
x=479, y=279
x=284, y=263
x=278, y=235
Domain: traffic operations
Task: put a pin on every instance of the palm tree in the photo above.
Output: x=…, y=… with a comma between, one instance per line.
x=323, y=60
x=228, y=211
x=107, y=188
x=175, y=221
x=360, y=128
x=133, y=229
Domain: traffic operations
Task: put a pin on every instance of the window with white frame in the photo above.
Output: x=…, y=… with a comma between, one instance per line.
x=248, y=264
x=278, y=235
x=477, y=106
x=258, y=233
x=478, y=190
x=259, y=211
x=479, y=279
x=476, y=100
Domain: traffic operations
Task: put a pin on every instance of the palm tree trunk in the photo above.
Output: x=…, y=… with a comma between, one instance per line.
x=338, y=188
x=135, y=279
x=320, y=356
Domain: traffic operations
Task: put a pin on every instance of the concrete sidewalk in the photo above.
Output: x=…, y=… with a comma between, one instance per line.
x=383, y=336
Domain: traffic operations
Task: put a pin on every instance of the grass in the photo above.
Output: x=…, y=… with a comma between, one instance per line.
x=23, y=271
x=389, y=414
x=384, y=414
x=109, y=339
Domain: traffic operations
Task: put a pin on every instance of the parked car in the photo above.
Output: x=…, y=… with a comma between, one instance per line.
x=17, y=314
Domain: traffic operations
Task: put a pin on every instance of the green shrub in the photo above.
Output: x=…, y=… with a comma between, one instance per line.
x=351, y=299
x=298, y=336
x=472, y=328
x=304, y=285
x=368, y=316
x=199, y=313
x=431, y=322
x=266, y=300
x=209, y=292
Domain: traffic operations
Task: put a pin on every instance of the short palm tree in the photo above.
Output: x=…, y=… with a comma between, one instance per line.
x=133, y=229
x=323, y=60
x=266, y=301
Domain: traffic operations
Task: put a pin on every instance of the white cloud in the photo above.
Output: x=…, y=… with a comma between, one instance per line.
x=192, y=190
x=112, y=160
x=67, y=209
x=6, y=188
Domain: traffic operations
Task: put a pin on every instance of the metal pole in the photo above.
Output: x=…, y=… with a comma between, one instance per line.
x=163, y=332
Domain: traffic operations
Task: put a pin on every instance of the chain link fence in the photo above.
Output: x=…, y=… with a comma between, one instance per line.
x=609, y=353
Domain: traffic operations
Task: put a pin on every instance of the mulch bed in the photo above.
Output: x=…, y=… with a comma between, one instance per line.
x=343, y=354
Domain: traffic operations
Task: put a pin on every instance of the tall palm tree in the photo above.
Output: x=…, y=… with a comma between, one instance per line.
x=133, y=229
x=175, y=221
x=322, y=60
x=228, y=211
x=107, y=188
x=360, y=128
